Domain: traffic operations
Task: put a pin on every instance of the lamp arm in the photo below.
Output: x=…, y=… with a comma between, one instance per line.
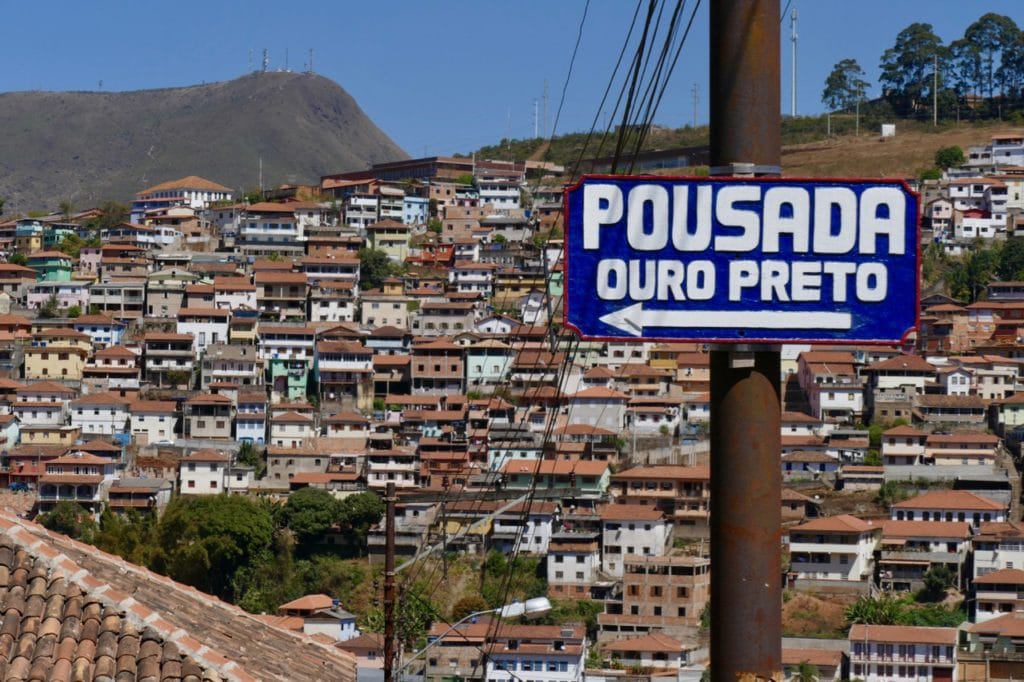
x=429, y=646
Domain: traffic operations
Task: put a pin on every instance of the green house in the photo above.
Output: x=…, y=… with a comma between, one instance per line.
x=51, y=266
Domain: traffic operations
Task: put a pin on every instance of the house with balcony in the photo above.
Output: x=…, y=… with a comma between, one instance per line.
x=665, y=594
x=153, y=421
x=573, y=564
x=991, y=649
x=139, y=494
x=946, y=410
x=15, y=281
x=396, y=464
x=391, y=237
x=282, y=295
x=601, y=407
x=233, y=293
x=266, y=228
x=344, y=371
x=829, y=380
x=903, y=446
x=251, y=417
x=202, y=472
x=835, y=552
x=962, y=449
x=949, y=505
x=879, y=653
x=910, y=548
x=165, y=291
x=76, y=477
x=527, y=527
x=200, y=295
x=209, y=416
x=207, y=326
x=291, y=429
x=51, y=266
x=631, y=529
x=998, y=593
x=69, y=294
x=580, y=478
x=998, y=545
x=333, y=300
x=99, y=414
x=288, y=352
x=471, y=277
x=103, y=330
x=230, y=363
x=681, y=492
x=557, y=652
x=336, y=267
x=122, y=299
x=114, y=368
x=443, y=318
x=168, y=358
x=191, y=191
x=488, y=363
x=44, y=403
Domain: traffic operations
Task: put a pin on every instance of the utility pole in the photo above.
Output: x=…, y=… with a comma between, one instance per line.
x=535, y=135
x=746, y=595
x=792, y=38
x=545, y=107
x=695, y=91
x=389, y=584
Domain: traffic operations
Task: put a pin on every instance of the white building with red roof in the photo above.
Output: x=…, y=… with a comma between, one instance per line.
x=631, y=529
x=880, y=653
x=202, y=472
x=949, y=505
x=835, y=550
x=998, y=593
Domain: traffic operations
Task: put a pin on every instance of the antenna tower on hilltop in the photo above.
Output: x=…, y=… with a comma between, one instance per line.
x=266, y=60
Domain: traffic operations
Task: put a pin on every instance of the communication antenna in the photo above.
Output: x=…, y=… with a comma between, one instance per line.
x=286, y=60
x=250, y=61
x=545, y=107
x=266, y=60
x=311, y=60
x=695, y=91
x=535, y=135
x=792, y=37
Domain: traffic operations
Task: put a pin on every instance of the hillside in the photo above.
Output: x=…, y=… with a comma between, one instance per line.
x=91, y=146
x=807, y=149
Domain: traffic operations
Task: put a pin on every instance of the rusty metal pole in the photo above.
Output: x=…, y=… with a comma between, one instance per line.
x=746, y=595
x=389, y=584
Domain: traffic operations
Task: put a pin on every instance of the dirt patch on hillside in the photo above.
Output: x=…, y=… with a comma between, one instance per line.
x=806, y=615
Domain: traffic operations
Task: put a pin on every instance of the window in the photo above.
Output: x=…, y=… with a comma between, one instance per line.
x=213, y=484
x=191, y=484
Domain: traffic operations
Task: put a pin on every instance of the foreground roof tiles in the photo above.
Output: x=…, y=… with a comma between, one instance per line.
x=72, y=612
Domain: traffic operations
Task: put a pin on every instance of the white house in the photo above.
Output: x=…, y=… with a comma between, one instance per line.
x=202, y=472
x=206, y=325
x=573, y=563
x=903, y=445
x=43, y=403
x=153, y=421
x=290, y=429
x=949, y=505
x=555, y=653
x=998, y=545
x=880, y=653
x=99, y=414
x=631, y=529
x=532, y=534
x=836, y=549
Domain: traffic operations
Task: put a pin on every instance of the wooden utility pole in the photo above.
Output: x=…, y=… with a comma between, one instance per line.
x=746, y=593
x=389, y=585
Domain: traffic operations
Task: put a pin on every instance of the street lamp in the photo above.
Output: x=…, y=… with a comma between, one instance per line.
x=531, y=608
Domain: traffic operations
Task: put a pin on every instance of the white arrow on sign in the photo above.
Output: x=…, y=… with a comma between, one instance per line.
x=634, y=319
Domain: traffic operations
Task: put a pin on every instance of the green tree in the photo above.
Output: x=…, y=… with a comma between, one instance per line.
x=992, y=35
x=805, y=672
x=51, y=308
x=434, y=225
x=464, y=179
x=845, y=85
x=356, y=513
x=2, y=202
x=67, y=207
x=471, y=603
x=937, y=579
x=1011, y=260
x=72, y=245
x=948, y=157
x=883, y=610
x=310, y=513
x=249, y=456
x=204, y=541
x=18, y=259
x=891, y=492
x=71, y=519
x=75, y=311
x=374, y=268
x=908, y=67
x=969, y=275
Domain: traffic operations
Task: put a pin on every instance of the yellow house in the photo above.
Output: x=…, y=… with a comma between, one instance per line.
x=391, y=237
x=58, y=354
x=49, y=434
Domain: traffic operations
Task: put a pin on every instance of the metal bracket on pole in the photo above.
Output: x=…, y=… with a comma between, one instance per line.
x=745, y=170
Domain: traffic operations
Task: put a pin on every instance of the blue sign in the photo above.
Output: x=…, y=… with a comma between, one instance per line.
x=737, y=260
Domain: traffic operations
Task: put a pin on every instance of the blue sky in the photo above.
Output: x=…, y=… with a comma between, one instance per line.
x=438, y=77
